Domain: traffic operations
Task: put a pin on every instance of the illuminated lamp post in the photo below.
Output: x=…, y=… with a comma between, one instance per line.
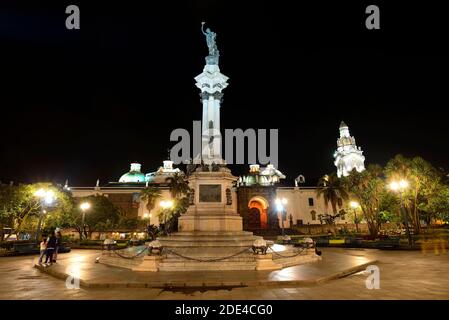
x=399, y=187
x=84, y=206
x=280, y=206
x=46, y=197
x=354, y=205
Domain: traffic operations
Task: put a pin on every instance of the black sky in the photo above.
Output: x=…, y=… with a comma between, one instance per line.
x=82, y=104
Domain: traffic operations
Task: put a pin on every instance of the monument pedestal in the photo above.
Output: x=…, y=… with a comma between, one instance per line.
x=150, y=263
x=210, y=223
x=265, y=262
x=213, y=203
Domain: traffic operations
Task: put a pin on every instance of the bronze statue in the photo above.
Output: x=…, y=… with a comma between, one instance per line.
x=211, y=44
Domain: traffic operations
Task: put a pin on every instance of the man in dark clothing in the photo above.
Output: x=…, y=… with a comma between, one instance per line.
x=51, y=245
x=58, y=244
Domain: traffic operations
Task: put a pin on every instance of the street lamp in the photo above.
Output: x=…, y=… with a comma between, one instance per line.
x=399, y=187
x=46, y=197
x=280, y=206
x=166, y=205
x=354, y=205
x=84, y=206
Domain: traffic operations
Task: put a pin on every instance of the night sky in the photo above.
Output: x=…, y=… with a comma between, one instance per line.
x=83, y=104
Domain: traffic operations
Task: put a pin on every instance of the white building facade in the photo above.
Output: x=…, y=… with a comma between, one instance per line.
x=348, y=156
x=305, y=206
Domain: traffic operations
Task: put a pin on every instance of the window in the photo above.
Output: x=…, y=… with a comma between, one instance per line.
x=311, y=203
x=313, y=213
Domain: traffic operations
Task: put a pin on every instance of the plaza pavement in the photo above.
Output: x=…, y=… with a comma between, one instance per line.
x=96, y=275
x=403, y=275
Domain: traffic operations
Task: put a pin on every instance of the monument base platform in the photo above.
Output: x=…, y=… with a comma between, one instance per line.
x=210, y=222
x=210, y=251
x=210, y=236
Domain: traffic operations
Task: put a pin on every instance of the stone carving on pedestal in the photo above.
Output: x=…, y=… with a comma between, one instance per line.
x=212, y=209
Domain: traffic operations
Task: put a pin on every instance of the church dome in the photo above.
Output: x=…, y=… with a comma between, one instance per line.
x=343, y=125
x=134, y=174
x=163, y=173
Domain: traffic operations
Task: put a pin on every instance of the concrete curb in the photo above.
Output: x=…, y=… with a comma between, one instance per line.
x=210, y=284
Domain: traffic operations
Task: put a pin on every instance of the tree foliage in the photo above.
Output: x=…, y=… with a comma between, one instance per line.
x=333, y=191
x=102, y=215
x=20, y=207
x=151, y=195
x=368, y=188
x=179, y=186
x=179, y=189
x=425, y=185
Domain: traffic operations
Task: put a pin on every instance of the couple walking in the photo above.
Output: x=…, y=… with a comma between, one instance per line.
x=49, y=247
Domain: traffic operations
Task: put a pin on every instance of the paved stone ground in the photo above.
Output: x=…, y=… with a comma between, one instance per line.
x=81, y=265
x=403, y=274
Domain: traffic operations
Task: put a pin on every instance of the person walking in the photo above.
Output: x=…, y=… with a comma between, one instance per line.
x=58, y=244
x=51, y=245
x=43, y=249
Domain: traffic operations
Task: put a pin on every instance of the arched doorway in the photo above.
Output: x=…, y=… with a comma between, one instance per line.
x=257, y=213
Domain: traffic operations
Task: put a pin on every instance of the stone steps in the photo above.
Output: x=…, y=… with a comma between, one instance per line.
x=114, y=260
x=239, y=258
x=211, y=234
x=207, y=244
x=208, y=239
x=206, y=266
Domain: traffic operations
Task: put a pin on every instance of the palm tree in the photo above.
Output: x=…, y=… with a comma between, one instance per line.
x=368, y=188
x=150, y=194
x=423, y=179
x=333, y=191
x=178, y=185
x=179, y=189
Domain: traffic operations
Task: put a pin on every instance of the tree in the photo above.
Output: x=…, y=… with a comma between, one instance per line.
x=152, y=231
x=368, y=188
x=179, y=186
x=333, y=192
x=151, y=195
x=437, y=207
x=179, y=189
x=20, y=207
x=424, y=182
x=61, y=214
x=102, y=213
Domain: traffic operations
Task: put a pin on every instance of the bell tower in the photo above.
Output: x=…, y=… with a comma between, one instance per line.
x=348, y=156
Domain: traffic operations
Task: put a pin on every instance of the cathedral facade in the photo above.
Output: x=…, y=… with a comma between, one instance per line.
x=348, y=156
